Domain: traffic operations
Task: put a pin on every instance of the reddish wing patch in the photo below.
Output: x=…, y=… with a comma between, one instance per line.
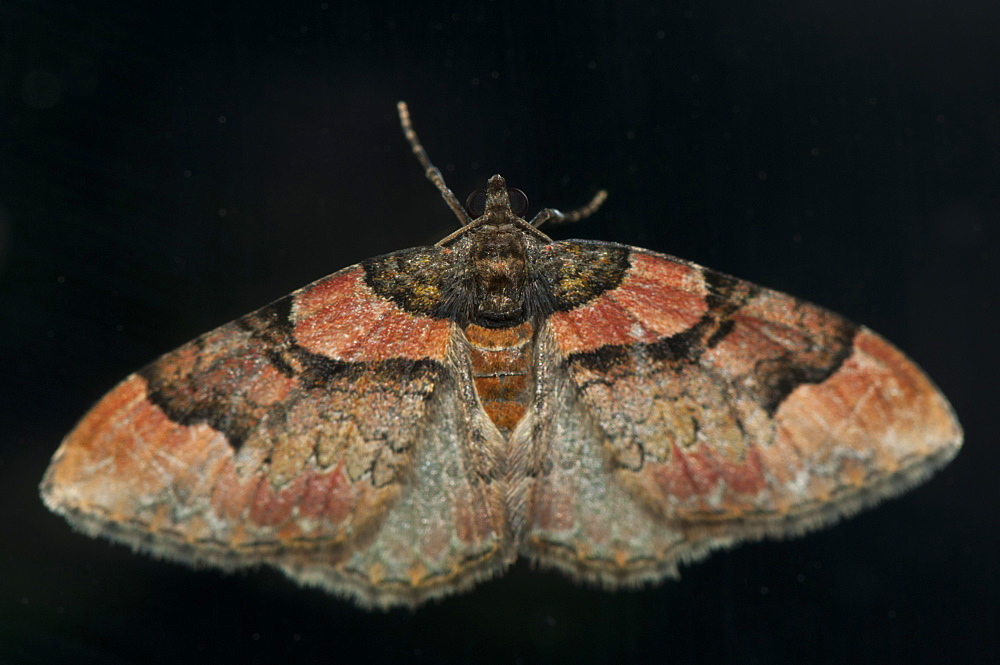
x=341, y=317
x=128, y=464
x=656, y=299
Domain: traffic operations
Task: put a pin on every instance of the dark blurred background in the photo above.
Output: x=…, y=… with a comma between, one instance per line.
x=164, y=170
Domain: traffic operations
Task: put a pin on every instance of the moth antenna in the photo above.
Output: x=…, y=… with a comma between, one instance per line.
x=553, y=216
x=432, y=172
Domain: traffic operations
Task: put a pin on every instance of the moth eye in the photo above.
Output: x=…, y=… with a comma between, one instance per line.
x=518, y=201
x=475, y=205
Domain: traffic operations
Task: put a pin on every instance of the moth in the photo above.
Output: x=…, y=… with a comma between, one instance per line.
x=412, y=424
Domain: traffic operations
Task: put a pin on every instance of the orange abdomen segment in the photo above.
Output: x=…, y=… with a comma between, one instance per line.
x=502, y=371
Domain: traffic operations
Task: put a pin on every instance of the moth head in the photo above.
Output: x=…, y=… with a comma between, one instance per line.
x=497, y=201
x=494, y=206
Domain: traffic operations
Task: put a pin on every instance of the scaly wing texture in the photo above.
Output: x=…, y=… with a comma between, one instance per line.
x=691, y=410
x=323, y=434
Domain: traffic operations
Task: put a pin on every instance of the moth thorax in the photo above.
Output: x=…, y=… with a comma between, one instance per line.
x=500, y=274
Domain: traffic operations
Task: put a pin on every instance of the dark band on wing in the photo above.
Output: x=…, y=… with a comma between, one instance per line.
x=582, y=271
x=725, y=296
x=195, y=385
x=773, y=378
x=776, y=378
x=415, y=280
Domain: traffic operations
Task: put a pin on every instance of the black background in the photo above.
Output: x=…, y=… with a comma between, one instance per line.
x=165, y=170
